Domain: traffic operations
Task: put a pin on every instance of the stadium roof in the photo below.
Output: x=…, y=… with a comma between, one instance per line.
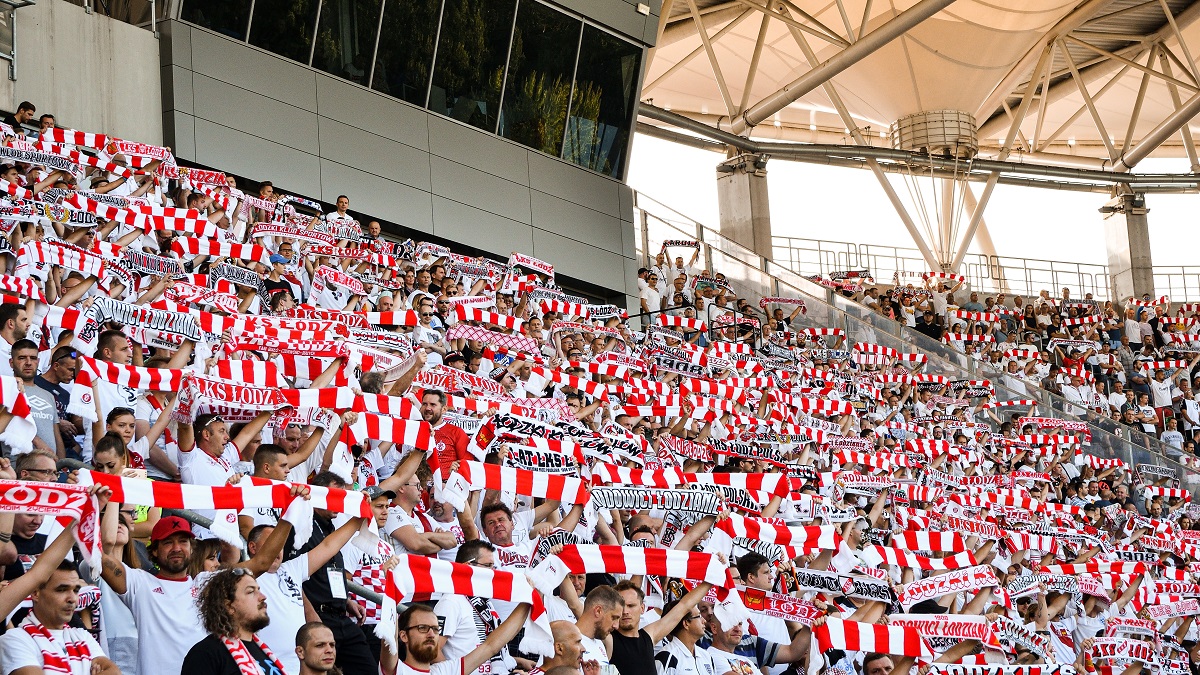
x=1099, y=84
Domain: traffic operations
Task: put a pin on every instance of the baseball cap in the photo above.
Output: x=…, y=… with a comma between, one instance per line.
x=375, y=492
x=276, y=258
x=168, y=526
x=453, y=356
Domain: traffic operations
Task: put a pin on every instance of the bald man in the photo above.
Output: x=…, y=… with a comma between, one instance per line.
x=568, y=648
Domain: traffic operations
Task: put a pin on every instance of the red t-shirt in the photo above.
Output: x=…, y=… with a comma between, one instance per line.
x=450, y=444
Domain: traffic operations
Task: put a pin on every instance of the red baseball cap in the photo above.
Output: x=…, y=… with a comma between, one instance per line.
x=168, y=526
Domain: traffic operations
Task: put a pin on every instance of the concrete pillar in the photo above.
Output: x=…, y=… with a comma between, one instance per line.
x=1127, y=237
x=743, y=202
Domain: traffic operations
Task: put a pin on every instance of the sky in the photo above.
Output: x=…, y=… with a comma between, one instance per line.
x=840, y=204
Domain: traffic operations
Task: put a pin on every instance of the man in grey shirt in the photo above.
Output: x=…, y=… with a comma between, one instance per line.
x=42, y=410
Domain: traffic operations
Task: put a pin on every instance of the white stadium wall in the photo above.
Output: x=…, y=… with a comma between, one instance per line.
x=91, y=72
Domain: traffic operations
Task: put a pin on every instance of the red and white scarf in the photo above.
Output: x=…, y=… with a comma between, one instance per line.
x=468, y=313
x=472, y=476
x=593, y=559
x=216, y=249
x=251, y=493
x=461, y=331
x=92, y=370
x=68, y=655
x=822, y=537
x=420, y=577
x=245, y=662
x=62, y=501
x=852, y=636
x=898, y=556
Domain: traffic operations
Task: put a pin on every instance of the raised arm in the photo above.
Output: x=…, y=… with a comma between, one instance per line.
x=503, y=634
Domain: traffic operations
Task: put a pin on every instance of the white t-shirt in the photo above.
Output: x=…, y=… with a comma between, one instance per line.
x=449, y=667
x=464, y=630
x=18, y=649
x=285, y=607
x=167, y=617
x=397, y=519
x=200, y=468
x=593, y=650
x=675, y=659
x=732, y=663
x=653, y=299
x=1161, y=393
x=452, y=527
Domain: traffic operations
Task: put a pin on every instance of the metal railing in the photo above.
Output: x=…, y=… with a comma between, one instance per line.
x=984, y=273
x=754, y=276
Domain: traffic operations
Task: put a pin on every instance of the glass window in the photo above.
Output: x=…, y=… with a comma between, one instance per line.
x=538, y=87
x=603, y=103
x=468, y=69
x=227, y=17
x=284, y=27
x=406, y=49
x=346, y=38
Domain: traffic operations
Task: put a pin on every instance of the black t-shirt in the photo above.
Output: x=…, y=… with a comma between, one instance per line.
x=210, y=657
x=27, y=552
x=317, y=587
x=633, y=656
x=281, y=285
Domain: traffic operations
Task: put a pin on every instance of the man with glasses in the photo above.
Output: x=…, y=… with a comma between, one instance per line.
x=418, y=632
x=680, y=656
x=61, y=369
x=411, y=530
x=27, y=536
x=468, y=621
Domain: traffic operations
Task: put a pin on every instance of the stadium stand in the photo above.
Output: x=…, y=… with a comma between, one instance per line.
x=397, y=458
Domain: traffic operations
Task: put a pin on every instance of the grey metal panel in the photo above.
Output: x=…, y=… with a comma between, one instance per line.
x=556, y=177
x=580, y=260
x=255, y=114
x=625, y=193
x=629, y=283
x=377, y=196
x=176, y=88
x=467, y=145
x=176, y=45
x=253, y=69
x=257, y=158
x=628, y=239
x=373, y=154
x=179, y=132
x=478, y=228
x=481, y=190
x=360, y=107
x=571, y=220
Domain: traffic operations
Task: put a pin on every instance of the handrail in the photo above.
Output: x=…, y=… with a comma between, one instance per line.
x=1110, y=440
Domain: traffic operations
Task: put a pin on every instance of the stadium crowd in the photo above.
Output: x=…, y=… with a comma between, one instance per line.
x=515, y=479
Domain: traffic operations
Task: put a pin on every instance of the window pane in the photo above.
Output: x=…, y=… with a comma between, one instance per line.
x=284, y=27
x=227, y=17
x=603, y=103
x=539, y=77
x=346, y=38
x=406, y=49
x=470, y=60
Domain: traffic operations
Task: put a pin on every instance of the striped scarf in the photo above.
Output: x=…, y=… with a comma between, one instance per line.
x=68, y=656
x=421, y=577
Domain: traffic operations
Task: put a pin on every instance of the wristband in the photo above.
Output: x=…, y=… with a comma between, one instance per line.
x=5, y=537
